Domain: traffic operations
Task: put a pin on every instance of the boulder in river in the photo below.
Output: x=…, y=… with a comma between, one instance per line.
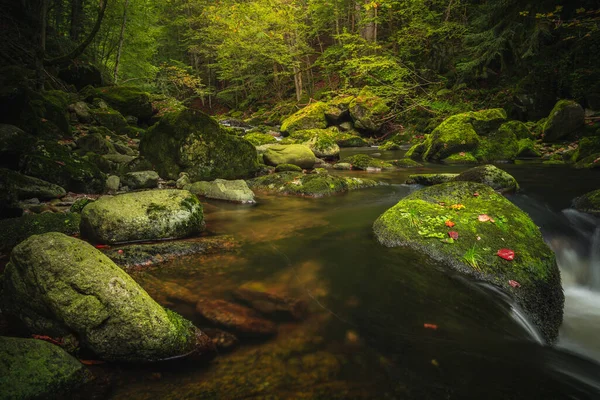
x=310, y=117
x=588, y=203
x=429, y=179
x=484, y=236
x=492, y=176
x=220, y=189
x=295, y=154
x=139, y=216
x=34, y=369
x=566, y=118
x=58, y=286
x=365, y=162
x=368, y=111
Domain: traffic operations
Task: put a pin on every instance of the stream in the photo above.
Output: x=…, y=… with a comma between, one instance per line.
x=383, y=323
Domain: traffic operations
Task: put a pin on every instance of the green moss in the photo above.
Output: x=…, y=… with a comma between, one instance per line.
x=461, y=158
x=454, y=135
x=501, y=145
x=296, y=154
x=111, y=119
x=418, y=221
x=406, y=163
x=589, y=203
x=527, y=149
x=368, y=110
x=389, y=145
x=346, y=139
x=520, y=129
x=587, y=146
x=258, y=139
x=363, y=162
x=591, y=162
x=287, y=168
x=492, y=176
x=429, y=179
x=127, y=100
x=566, y=118
x=310, y=117
x=416, y=151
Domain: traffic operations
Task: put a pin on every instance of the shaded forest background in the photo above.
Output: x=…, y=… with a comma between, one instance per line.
x=430, y=57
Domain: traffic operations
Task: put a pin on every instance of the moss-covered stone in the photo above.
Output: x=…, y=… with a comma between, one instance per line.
x=54, y=163
x=406, y=163
x=591, y=162
x=419, y=221
x=128, y=100
x=14, y=144
x=27, y=187
x=527, y=149
x=588, y=146
x=312, y=185
x=500, y=145
x=258, y=139
x=324, y=146
x=519, y=128
x=58, y=285
x=193, y=142
x=151, y=215
x=588, y=203
x=460, y=159
x=364, y=162
x=15, y=230
x=295, y=154
x=350, y=139
x=140, y=180
x=310, y=117
x=338, y=109
x=236, y=191
x=566, y=118
x=81, y=74
x=389, y=146
x=416, y=151
x=429, y=179
x=111, y=119
x=287, y=168
x=95, y=142
x=492, y=176
x=34, y=369
x=368, y=111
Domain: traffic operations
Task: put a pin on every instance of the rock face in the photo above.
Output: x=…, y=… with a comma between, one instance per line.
x=240, y=319
x=295, y=154
x=492, y=176
x=141, y=180
x=566, y=117
x=419, y=221
x=310, y=117
x=191, y=141
x=220, y=189
x=58, y=285
x=313, y=185
x=27, y=187
x=152, y=215
x=588, y=203
x=34, y=369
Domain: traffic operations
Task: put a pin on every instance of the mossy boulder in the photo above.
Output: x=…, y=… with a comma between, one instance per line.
x=295, y=154
x=311, y=185
x=324, y=147
x=364, y=162
x=259, y=139
x=338, y=109
x=96, y=143
x=56, y=164
x=532, y=278
x=236, y=191
x=287, y=167
x=500, y=145
x=519, y=128
x=588, y=203
x=34, y=369
x=390, y=146
x=193, y=142
x=81, y=74
x=111, y=119
x=150, y=215
x=567, y=117
x=591, y=162
x=588, y=146
x=527, y=149
x=429, y=179
x=349, y=139
x=405, y=163
x=460, y=159
x=310, y=117
x=416, y=151
x=368, y=111
x=128, y=100
x=58, y=285
x=491, y=176
x=140, y=180
x=27, y=187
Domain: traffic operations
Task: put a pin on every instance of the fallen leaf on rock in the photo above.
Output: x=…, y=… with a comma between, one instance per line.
x=514, y=284
x=120, y=251
x=92, y=362
x=57, y=342
x=430, y=326
x=506, y=254
x=453, y=235
x=102, y=246
x=450, y=224
x=485, y=218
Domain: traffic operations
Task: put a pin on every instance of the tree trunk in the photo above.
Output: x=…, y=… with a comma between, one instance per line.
x=298, y=82
x=121, y=38
x=76, y=19
x=370, y=28
x=40, y=52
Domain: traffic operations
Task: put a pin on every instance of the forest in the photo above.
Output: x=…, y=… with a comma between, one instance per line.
x=299, y=199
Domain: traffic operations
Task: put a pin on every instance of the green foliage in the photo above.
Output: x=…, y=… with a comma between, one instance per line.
x=177, y=80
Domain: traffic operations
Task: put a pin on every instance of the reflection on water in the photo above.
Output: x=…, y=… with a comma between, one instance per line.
x=383, y=323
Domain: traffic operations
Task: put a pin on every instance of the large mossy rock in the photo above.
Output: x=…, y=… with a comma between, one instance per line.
x=324, y=147
x=310, y=117
x=56, y=164
x=138, y=216
x=312, y=185
x=127, y=100
x=588, y=203
x=338, y=109
x=419, y=221
x=492, y=176
x=193, y=142
x=140, y=180
x=236, y=191
x=500, y=145
x=28, y=187
x=429, y=179
x=588, y=146
x=58, y=285
x=81, y=74
x=95, y=142
x=365, y=162
x=566, y=118
x=368, y=111
x=295, y=154
x=259, y=139
x=34, y=369
x=14, y=144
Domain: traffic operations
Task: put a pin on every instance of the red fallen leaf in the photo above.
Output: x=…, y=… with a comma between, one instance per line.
x=485, y=218
x=507, y=254
x=430, y=326
x=453, y=235
x=514, y=284
x=102, y=246
x=44, y=120
x=120, y=251
x=450, y=224
x=60, y=163
x=476, y=194
x=57, y=342
x=92, y=362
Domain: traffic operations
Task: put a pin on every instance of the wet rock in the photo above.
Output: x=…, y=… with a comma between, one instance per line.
x=419, y=222
x=141, y=180
x=406, y=163
x=239, y=319
x=343, y=166
x=183, y=181
x=492, y=176
x=295, y=154
x=151, y=215
x=112, y=184
x=287, y=168
x=223, y=341
x=27, y=187
x=429, y=179
x=566, y=118
x=271, y=304
x=364, y=162
x=57, y=285
x=111, y=119
x=235, y=191
x=588, y=203
x=34, y=369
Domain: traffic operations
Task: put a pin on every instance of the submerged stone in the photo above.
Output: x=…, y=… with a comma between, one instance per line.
x=138, y=216
x=419, y=221
x=240, y=319
x=272, y=304
x=58, y=285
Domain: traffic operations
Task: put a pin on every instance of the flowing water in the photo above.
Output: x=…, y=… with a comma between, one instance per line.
x=369, y=334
